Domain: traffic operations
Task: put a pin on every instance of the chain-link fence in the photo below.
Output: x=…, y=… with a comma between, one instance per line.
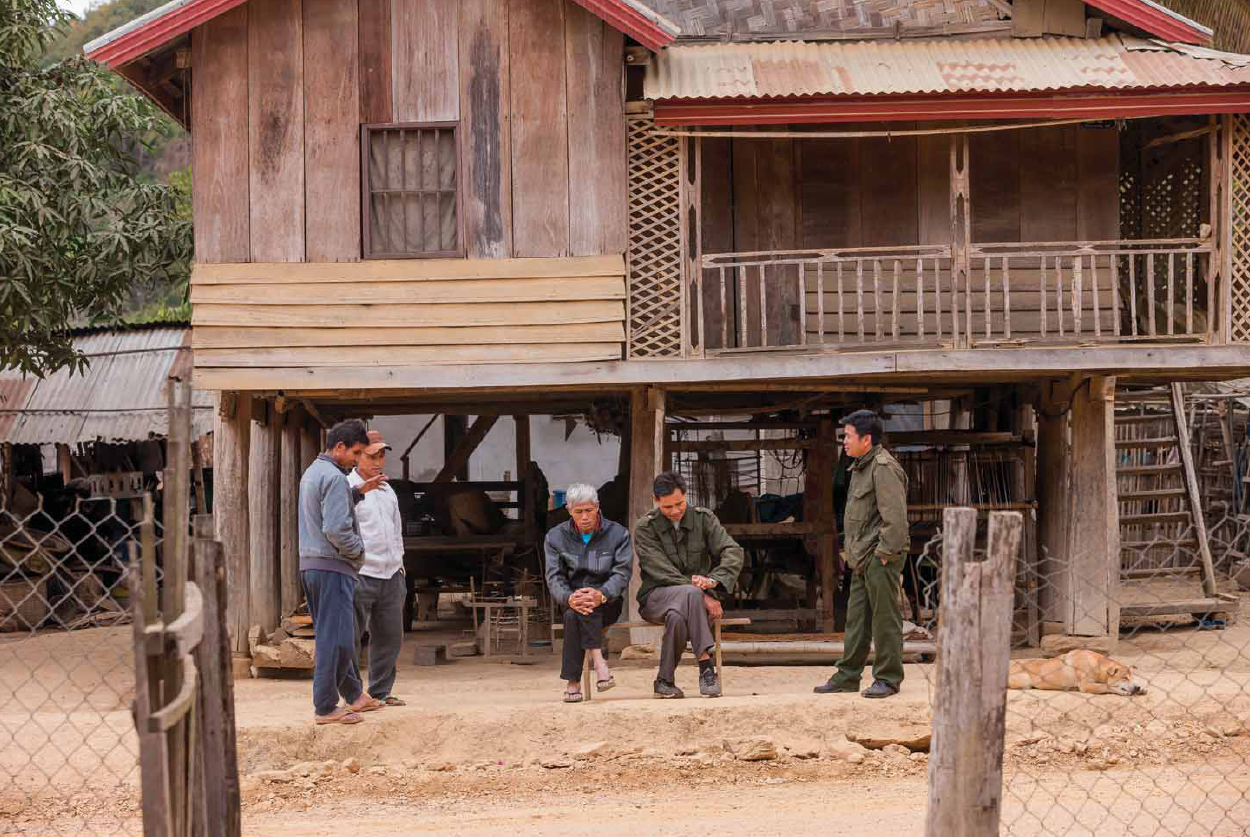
x=68, y=753
x=1144, y=730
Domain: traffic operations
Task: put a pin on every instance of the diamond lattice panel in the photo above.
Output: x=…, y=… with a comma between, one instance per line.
x=654, y=243
x=1239, y=234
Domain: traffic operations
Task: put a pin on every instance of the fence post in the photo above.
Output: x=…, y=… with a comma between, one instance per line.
x=974, y=637
x=214, y=658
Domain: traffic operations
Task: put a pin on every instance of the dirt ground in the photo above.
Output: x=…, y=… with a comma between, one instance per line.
x=486, y=747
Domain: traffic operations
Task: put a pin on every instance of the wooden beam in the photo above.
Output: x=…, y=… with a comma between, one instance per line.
x=1191, y=485
x=458, y=460
x=525, y=497
x=951, y=437
x=1052, y=508
x=741, y=444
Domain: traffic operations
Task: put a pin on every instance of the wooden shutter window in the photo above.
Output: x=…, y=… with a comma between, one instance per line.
x=411, y=187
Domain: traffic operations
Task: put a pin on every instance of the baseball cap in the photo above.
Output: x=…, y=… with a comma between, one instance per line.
x=376, y=443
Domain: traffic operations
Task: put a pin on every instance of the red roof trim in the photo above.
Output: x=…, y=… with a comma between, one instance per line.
x=924, y=108
x=1156, y=20
x=651, y=31
x=141, y=40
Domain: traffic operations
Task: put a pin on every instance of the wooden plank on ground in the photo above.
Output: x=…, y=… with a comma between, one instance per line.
x=485, y=133
x=376, y=293
x=414, y=316
x=331, y=131
x=219, y=171
x=375, y=61
x=215, y=337
x=1048, y=186
x=391, y=355
x=425, y=60
x=594, y=58
x=540, y=159
x=408, y=270
x=276, y=130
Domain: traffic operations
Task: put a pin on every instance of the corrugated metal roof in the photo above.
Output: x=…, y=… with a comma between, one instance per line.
x=119, y=398
x=934, y=66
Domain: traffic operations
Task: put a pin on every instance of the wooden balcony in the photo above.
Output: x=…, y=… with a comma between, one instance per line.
x=1076, y=293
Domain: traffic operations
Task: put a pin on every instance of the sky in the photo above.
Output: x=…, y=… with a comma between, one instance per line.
x=75, y=6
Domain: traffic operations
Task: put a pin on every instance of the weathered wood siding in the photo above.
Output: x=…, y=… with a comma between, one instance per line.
x=535, y=86
x=392, y=313
x=1054, y=184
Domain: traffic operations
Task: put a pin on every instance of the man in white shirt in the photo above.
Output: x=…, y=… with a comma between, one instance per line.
x=380, y=588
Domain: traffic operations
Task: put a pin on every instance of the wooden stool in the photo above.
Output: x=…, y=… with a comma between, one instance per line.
x=587, y=671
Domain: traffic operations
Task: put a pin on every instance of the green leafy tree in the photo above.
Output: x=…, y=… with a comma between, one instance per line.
x=78, y=231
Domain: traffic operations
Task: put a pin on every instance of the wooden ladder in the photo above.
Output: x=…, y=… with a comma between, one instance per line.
x=1163, y=536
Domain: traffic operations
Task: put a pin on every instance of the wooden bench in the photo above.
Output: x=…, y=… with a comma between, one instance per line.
x=588, y=669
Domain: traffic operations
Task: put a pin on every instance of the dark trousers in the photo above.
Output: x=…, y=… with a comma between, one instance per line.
x=380, y=611
x=680, y=609
x=582, y=633
x=330, y=596
x=873, y=616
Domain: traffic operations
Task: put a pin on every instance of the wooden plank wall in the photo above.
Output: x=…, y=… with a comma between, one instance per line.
x=389, y=313
x=277, y=138
x=1055, y=184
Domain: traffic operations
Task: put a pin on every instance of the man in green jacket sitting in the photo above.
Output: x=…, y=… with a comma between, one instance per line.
x=877, y=542
x=689, y=566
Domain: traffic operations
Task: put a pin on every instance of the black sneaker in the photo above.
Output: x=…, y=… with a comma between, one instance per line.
x=667, y=689
x=831, y=687
x=880, y=689
x=709, y=683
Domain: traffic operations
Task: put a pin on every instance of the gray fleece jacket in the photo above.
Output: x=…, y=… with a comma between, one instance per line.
x=329, y=536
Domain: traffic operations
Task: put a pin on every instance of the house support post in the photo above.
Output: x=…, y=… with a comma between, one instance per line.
x=290, y=471
x=263, y=487
x=818, y=507
x=646, y=418
x=1052, y=504
x=1094, y=529
x=232, y=431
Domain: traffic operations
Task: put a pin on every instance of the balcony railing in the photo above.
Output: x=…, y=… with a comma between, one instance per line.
x=931, y=295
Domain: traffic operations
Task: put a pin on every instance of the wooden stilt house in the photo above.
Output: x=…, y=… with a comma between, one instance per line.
x=996, y=211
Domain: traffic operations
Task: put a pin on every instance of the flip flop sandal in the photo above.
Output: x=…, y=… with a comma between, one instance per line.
x=340, y=717
x=394, y=701
x=372, y=706
x=572, y=697
x=605, y=685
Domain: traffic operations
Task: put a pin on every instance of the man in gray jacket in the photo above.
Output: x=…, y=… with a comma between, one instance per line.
x=588, y=561
x=331, y=554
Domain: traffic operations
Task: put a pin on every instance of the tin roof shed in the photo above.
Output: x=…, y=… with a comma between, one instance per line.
x=120, y=397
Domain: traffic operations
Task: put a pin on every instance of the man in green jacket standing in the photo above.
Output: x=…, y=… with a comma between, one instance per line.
x=877, y=542
x=689, y=565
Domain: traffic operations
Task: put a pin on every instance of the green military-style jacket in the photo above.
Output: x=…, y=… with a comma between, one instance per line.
x=668, y=557
x=876, y=509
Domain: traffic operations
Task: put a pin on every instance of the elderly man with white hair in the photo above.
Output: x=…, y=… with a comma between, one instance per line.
x=588, y=561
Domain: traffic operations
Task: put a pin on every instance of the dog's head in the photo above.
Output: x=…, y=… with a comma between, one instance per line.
x=1120, y=680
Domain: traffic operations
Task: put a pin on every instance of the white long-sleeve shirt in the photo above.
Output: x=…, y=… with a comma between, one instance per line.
x=381, y=529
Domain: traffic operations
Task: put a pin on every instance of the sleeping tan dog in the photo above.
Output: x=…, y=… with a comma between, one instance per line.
x=1088, y=671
